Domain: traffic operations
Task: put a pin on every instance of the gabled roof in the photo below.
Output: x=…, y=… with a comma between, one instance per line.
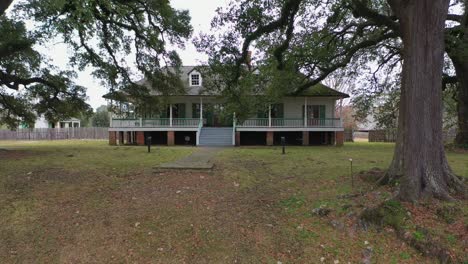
x=318, y=90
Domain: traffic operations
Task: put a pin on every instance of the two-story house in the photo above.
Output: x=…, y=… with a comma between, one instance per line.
x=197, y=118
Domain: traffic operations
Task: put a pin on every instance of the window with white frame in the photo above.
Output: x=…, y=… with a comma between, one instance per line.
x=195, y=79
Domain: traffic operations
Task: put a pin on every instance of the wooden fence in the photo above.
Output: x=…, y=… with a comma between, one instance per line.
x=382, y=135
x=55, y=133
x=349, y=136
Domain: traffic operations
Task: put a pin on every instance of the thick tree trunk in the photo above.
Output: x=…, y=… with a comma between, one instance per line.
x=426, y=172
x=395, y=171
x=461, y=68
x=4, y=4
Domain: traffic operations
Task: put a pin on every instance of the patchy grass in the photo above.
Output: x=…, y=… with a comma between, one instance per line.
x=84, y=202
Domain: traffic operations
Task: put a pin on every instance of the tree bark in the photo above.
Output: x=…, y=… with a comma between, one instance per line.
x=395, y=171
x=426, y=172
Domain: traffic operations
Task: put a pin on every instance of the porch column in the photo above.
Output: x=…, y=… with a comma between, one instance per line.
x=305, y=138
x=201, y=108
x=341, y=112
x=121, y=138
x=269, y=138
x=129, y=137
x=170, y=138
x=140, y=138
x=305, y=111
x=339, y=138
x=269, y=115
x=112, y=138
x=170, y=115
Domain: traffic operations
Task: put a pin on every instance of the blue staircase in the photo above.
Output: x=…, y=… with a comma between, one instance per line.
x=216, y=136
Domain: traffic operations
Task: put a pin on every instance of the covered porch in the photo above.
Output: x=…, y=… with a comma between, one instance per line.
x=193, y=112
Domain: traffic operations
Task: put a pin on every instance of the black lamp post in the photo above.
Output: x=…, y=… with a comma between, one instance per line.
x=148, y=142
x=283, y=143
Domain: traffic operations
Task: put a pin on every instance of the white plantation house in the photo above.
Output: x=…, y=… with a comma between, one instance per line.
x=196, y=118
x=41, y=122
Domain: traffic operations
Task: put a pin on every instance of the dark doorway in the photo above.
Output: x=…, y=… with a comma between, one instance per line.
x=252, y=138
x=292, y=138
x=157, y=137
x=321, y=138
x=188, y=138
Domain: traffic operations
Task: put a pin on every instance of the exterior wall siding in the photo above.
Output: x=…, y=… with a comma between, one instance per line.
x=293, y=106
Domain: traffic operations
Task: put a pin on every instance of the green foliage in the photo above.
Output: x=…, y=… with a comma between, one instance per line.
x=419, y=236
x=47, y=91
x=119, y=28
x=293, y=203
x=451, y=239
x=101, y=34
x=100, y=117
x=297, y=45
x=405, y=255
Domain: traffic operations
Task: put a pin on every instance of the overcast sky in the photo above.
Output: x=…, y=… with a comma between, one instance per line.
x=201, y=11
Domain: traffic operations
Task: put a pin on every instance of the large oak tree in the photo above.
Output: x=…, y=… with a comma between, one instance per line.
x=104, y=35
x=314, y=39
x=426, y=172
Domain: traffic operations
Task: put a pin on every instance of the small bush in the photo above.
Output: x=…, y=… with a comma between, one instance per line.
x=293, y=202
x=419, y=236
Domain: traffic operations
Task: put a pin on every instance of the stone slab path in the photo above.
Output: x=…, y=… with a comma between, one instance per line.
x=200, y=159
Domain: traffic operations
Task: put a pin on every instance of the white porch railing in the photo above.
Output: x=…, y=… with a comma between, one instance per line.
x=125, y=123
x=200, y=125
x=292, y=122
x=158, y=122
x=155, y=122
x=254, y=122
x=287, y=122
x=324, y=122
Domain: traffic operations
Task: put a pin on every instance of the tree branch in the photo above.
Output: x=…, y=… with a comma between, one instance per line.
x=13, y=81
x=4, y=4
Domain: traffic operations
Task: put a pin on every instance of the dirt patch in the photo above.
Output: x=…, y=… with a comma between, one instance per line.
x=372, y=175
x=14, y=154
x=435, y=229
x=25, y=182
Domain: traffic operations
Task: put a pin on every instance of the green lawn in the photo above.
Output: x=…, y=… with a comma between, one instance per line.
x=85, y=201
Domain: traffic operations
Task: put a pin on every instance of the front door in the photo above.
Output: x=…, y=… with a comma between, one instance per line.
x=208, y=114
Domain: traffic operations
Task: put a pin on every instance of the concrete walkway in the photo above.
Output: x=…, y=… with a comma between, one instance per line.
x=200, y=159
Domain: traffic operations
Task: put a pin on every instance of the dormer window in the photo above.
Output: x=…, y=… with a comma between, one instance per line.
x=195, y=79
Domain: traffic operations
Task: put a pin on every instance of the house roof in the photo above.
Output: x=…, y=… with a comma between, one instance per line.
x=321, y=90
x=185, y=72
x=318, y=90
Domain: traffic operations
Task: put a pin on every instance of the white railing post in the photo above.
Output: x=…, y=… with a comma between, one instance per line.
x=269, y=115
x=170, y=115
x=201, y=109
x=305, y=112
x=141, y=122
x=200, y=125
x=234, y=129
